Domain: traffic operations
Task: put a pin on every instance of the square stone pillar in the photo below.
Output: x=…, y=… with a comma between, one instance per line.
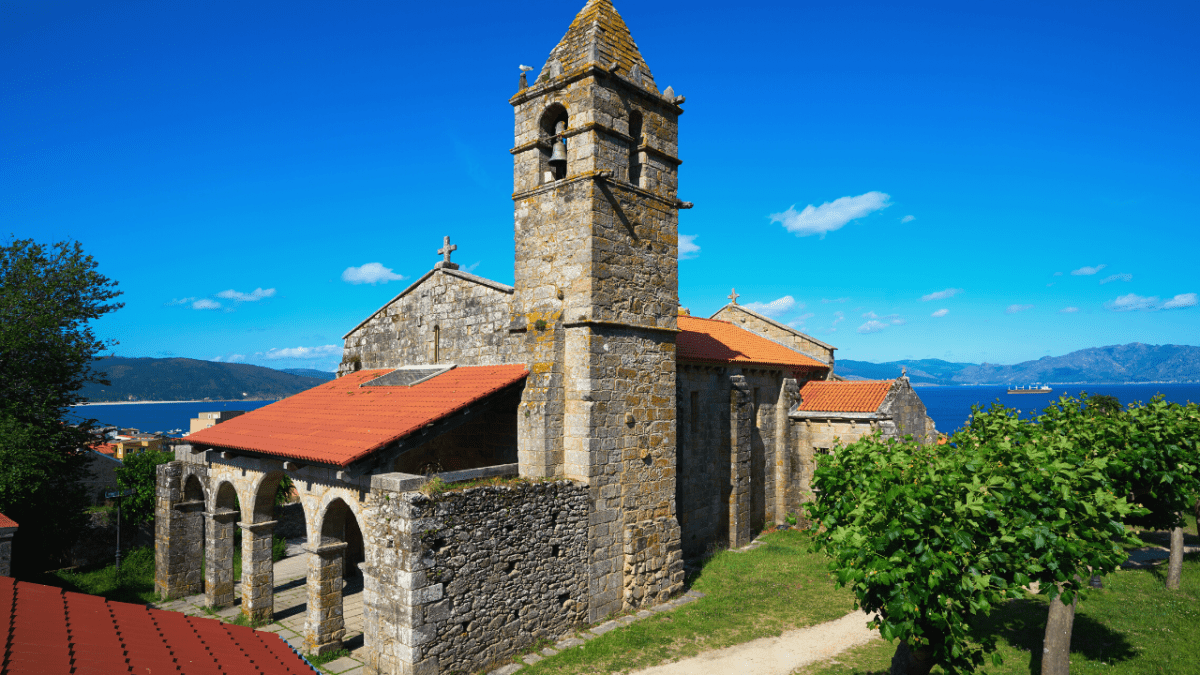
x=324, y=627
x=218, y=558
x=258, y=571
x=178, y=536
x=741, y=417
x=785, y=450
x=6, y=537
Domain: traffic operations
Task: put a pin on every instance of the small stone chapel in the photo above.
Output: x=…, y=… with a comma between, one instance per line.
x=645, y=435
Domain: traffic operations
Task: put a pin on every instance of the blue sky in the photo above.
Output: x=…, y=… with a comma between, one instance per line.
x=967, y=181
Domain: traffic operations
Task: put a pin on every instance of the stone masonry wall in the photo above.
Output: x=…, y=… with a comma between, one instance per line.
x=906, y=409
x=471, y=319
x=462, y=580
x=740, y=316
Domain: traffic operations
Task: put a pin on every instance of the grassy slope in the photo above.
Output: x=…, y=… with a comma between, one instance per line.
x=1132, y=626
x=759, y=593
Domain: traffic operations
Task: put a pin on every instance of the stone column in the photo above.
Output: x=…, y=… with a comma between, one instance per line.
x=177, y=536
x=324, y=626
x=218, y=567
x=741, y=418
x=258, y=571
x=6, y=537
x=784, y=450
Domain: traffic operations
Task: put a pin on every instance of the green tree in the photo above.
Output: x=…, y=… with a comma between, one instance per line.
x=933, y=537
x=48, y=294
x=139, y=473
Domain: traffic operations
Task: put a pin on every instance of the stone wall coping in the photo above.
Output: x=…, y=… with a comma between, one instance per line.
x=189, y=504
x=466, y=276
x=835, y=415
x=256, y=526
x=222, y=512
x=775, y=323
x=332, y=547
x=407, y=482
x=540, y=88
x=7, y=532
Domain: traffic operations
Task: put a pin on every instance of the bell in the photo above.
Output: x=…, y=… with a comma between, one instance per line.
x=558, y=157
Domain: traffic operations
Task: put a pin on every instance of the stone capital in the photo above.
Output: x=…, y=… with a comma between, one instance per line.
x=257, y=527
x=326, y=550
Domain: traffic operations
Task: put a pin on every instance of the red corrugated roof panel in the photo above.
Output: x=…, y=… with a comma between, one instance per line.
x=5, y=521
x=341, y=421
x=715, y=341
x=47, y=630
x=832, y=396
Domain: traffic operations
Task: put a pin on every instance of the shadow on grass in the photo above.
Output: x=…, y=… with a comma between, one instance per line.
x=1022, y=624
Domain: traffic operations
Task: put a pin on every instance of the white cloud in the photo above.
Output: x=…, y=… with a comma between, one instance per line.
x=941, y=295
x=830, y=216
x=253, y=296
x=940, y=313
x=775, y=308
x=1131, y=302
x=1013, y=309
x=1087, y=271
x=825, y=301
x=181, y=301
x=1182, y=300
x=838, y=317
x=371, y=273
x=798, y=322
x=908, y=219
x=1117, y=277
x=323, y=351
x=1068, y=310
x=471, y=268
x=872, y=327
x=205, y=303
x=230, y=358
x=1058, y=274
x=687, y=246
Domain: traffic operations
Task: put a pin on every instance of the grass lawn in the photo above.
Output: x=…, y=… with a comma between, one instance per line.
x=135, y=582
x=761, y=593
x=1132, y=626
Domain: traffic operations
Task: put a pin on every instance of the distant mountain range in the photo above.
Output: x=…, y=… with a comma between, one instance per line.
x=147, y=379
x=1129, y=363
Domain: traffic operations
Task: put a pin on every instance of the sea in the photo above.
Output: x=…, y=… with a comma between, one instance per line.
x=948, y=406
x=172, y=418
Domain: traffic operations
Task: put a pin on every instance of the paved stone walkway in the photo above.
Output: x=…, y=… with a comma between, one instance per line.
x=291, y=602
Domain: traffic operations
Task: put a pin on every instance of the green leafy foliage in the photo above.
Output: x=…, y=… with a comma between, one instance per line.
x=48, y=294
x=933, y=537
x=138, y=473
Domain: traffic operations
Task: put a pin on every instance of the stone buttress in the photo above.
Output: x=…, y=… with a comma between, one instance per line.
x=596, y=290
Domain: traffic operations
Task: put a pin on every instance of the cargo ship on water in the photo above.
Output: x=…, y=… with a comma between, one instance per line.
x=1044, y=389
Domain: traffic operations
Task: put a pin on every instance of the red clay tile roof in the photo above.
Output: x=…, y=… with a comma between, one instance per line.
x=5, y=521
x=825, y=396
x=48, y=630
x=718, y=341
x=105, y=448
x=339, y=422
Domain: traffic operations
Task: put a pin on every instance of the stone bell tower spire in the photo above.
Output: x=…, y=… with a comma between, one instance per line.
x=595, y=165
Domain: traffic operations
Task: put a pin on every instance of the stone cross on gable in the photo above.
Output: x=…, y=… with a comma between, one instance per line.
x=733, y=295
x=445, y=251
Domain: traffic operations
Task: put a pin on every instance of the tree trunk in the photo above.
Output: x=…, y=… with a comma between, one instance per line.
x=907, y=662
x=1196, y=512
x=1056, y=646
x=1175, y=564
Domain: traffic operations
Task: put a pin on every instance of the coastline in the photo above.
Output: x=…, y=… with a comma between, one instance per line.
x=232, y=400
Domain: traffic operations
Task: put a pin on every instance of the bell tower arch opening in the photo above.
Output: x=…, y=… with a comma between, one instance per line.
x=552, y=128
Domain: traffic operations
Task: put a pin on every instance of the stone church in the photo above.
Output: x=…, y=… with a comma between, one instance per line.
x=643, y=435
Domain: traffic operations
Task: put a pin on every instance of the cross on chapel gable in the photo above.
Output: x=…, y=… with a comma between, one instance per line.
x=733, y=295
x=445, y=251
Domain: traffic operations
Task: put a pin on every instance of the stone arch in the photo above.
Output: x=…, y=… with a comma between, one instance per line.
x=223, y=513
x=554, y=121
x=258, y=529
x=193, y=489
x=333, y=556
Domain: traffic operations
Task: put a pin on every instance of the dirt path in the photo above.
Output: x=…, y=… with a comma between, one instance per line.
x=776, y=656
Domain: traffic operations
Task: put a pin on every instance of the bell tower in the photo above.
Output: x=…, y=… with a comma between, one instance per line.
x=595, y=176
